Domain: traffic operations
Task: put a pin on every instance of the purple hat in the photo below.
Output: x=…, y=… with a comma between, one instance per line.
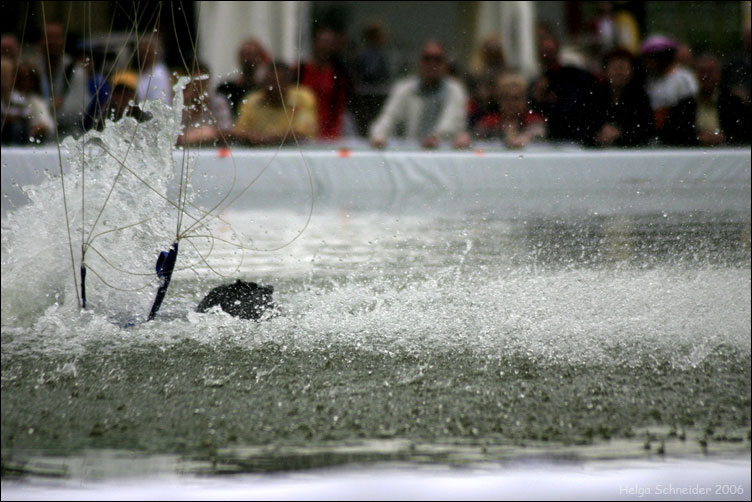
x=658, y=43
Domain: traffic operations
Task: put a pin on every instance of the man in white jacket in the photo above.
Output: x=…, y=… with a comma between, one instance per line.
x=430, y=107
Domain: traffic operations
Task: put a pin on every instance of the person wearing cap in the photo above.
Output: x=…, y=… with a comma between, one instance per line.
x=123, y=99
x=430, y=107
x=672, y=90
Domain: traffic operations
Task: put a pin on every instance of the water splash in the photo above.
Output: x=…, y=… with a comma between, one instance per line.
x=119, y=210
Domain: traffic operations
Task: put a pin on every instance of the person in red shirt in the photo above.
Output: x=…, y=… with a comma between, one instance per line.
x=327, y=76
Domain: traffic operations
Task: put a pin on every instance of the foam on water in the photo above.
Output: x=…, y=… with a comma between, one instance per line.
x=119, y=206
x=369, y=281
x=580, y=316
x=114, y=193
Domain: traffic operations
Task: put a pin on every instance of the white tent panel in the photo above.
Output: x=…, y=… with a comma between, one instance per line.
x=515, y=23
x=280, y=26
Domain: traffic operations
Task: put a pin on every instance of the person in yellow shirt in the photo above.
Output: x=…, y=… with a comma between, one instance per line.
x=265, y=117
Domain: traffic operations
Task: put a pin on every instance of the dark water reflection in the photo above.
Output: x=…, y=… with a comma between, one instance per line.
x=639, y=241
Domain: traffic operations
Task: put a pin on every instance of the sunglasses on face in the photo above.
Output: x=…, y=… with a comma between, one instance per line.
x=432, y=58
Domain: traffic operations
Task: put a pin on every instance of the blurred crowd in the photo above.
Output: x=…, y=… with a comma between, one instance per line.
x=627, y=93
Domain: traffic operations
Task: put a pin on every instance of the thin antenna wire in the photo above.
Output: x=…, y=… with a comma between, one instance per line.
x=60, y=160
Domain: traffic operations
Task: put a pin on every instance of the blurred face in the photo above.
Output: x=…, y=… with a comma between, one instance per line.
x=548, y=51
x=684, y=55
x=375, y=36
x=251, y=56
x=433, y=65
x=26, y=80
x=604, y=8
x=619, y=72
x=147, y=51
x=54, y=40
x=325, y=45
x=9, y=47
x=512, y=100
x=273, y=89
x=492, y=52
x=708, y=72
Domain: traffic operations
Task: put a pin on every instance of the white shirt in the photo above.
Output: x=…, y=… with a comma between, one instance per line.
x=155, y=84
x=667, y=90
x=40, y=113
x=405, y=106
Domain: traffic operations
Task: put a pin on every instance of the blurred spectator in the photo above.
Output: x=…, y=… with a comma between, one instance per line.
x=614, y=26
x=54, y=61
x=69, y=114
x=123, y=98
x=430, y=107
x=371, y=77
x=86, y=101
x=603, y=28
x=737, y=75
x=20, y=122
x=327, y=76
x=518, y=124
x=721, y=117
x=684, y=56
x=489, y=59
x=15, y=110
x=277, y=110
x=206, y=116
x=486, y=66
x=27, y=83
x=251, y=58
x=483, y=108
x=155, y=79
x=563, y=94
x=672, y=90
x=623, y=116
x=9, y=47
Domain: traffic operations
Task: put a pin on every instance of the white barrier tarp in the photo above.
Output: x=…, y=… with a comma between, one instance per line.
x=516, y=184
